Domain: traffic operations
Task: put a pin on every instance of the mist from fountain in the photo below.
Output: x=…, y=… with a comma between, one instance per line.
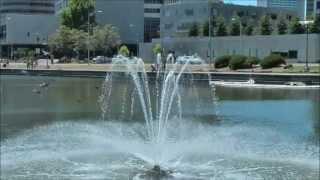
x=167, y=92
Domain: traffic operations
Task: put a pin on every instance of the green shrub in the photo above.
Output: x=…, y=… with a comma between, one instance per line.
x=273, y=60
x=252, y=61
x=238, y=62
x=157, y=49
x=222, y=61
x=124, y=51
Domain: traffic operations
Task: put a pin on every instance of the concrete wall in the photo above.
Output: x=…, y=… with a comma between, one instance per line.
x=126, y=15
x=23, y=29
x=258, y=46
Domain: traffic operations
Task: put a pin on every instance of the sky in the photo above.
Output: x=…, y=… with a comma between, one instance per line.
x=242, y=2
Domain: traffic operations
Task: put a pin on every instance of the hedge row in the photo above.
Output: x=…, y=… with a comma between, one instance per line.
x=235, y=62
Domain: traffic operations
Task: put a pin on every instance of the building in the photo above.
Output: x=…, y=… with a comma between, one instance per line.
x=295, y=5
x=25, y=23
x=137, y=20
x=177, y=18
x=127, y=16
x=317, y=7
x=292, y=47
x=309, y=8
x=152, y=10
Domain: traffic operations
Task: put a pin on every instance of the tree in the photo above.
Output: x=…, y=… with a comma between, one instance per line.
x=221, y=29
x=76, y=14
x=67, y=41
x=282, y=26
x=296, y=27
x=265, y=26
x=194, y=30
x=105, y=39
x=157, y=49
x=124, y=51
x=248, y=29
x=315, y=27
x=206, y=27
x=62, y=42
x=235, y=26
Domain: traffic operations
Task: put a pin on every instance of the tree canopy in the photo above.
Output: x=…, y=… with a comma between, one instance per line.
x=282, y=26
x=221, y=29
x=249, y=28
x=194, y=30
x=265, y=26
x=157, y=49
x=70, y=42
x=76, y=14
x=296, y=27
x=124, y=51
x=235, y=26
x=315, y=27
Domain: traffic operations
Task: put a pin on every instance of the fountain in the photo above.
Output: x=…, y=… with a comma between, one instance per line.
x=167, y=95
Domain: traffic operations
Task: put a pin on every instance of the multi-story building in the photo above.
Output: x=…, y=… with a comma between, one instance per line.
x=25, y=23
x=127, y=16
x=177, y=18
x=295, y=5
x=317, y=7
x=137, y=20
x=152, y=19
x=309, y=8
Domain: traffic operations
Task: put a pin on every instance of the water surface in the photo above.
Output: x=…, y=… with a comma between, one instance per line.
x=57, y=132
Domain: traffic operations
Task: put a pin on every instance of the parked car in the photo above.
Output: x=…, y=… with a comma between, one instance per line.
x=191, y=59
x=102, y=60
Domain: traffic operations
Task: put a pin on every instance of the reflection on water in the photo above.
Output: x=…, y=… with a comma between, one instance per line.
x=57, y=132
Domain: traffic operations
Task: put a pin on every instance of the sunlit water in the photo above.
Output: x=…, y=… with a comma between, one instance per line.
x=59, y=133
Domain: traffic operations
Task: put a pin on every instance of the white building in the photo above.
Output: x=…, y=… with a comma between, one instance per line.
x=296, y=5
x=25, y=23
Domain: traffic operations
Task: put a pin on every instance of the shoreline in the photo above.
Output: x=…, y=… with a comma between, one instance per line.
x=259, y=77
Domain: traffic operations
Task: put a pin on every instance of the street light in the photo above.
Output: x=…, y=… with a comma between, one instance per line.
x=306, y=23
x=88, y=43
x=212, y=12
x=11, y=46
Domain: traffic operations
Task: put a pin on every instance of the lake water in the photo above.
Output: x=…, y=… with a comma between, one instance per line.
x=57, y=132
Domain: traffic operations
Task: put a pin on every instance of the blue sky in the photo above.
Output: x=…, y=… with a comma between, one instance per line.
x=242, y=2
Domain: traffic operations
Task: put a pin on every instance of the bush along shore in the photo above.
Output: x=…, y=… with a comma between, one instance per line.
x=235, y=62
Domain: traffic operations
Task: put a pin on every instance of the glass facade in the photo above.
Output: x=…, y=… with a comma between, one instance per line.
x=152, y=19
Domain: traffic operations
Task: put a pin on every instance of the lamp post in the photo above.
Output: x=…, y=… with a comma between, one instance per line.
x=212, y=12
x=11, y=46
x=88, y=43
x=306, y=23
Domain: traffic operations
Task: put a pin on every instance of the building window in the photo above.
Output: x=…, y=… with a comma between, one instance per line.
x=189, y=12
x=151, y=29
x=3, y=32
x=168, y=26
x=151, y=10
x=153, y=1
x=293, y=54
x=283, y=54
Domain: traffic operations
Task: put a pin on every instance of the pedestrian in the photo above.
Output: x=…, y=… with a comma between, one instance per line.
x=51, y=58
